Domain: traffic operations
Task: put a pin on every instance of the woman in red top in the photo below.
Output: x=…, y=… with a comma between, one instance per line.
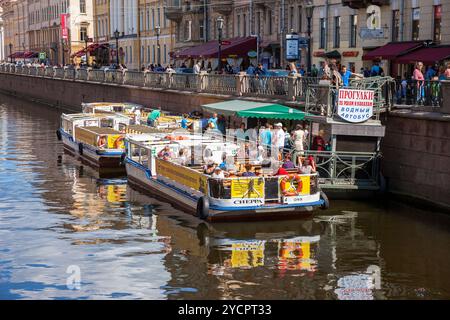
x=319, y=142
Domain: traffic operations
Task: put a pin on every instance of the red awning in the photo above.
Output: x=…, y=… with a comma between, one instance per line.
x=91, y=48
x=427, y=55
x=16, y=55
x=392, y=50
x=237, y=47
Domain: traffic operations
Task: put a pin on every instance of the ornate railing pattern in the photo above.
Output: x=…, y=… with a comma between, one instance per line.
x=288, y=88
x=346, y=168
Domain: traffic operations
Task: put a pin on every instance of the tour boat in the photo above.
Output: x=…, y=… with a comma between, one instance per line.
x=230, y=198
x=97, y=138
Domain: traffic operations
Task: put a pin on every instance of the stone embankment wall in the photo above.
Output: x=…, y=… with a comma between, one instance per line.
x=416, y=152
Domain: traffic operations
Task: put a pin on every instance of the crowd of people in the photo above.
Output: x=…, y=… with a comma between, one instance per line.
x=422, y=85
x=270, y=146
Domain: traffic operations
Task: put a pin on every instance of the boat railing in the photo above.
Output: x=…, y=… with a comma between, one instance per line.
x=342, y=168
x=267, y=187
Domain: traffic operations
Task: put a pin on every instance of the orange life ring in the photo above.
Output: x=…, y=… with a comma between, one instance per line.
x=118, y=143
x=101, y=142
x=291, y=177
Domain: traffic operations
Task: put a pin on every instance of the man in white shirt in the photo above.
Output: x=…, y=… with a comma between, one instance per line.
x=218, y=173
x=197, y=67
x=279, y=136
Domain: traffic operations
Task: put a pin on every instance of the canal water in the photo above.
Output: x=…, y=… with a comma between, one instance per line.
x=66, y=232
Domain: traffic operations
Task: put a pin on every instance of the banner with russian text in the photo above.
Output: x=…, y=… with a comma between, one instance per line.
x=355, y=105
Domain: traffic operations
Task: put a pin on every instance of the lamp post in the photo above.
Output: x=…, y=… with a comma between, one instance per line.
x=10, y=52
x=158, y=32
x=219, y=29
x=309, y=13
x=86, y=42
x=116, y=36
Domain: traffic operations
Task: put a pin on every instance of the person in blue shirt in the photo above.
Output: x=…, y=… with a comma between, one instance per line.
x=213, y=120
x=347, y=74
x=430, y=73
x=184, y=122
x=251, y=70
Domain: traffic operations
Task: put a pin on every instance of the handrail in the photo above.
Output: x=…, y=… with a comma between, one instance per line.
x=288, y=88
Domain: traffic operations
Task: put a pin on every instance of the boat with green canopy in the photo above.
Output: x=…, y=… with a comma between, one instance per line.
x=250, y=109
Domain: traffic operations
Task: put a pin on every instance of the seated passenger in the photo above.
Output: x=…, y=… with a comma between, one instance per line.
x=281, y=172
x=209, y=168
x=166, y=153
x=183, y=157
x=218, y=173
x=306, y=167
x=247, y=172
x=288, y=164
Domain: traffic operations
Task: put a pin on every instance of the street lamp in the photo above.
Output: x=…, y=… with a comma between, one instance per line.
x=219, y=29
x=309, y=13
x=158, y=32
x=10, y=52
x=87, y=57
x=116, y=36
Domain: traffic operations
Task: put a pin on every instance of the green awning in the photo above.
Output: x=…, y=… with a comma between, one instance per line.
x=249, y=109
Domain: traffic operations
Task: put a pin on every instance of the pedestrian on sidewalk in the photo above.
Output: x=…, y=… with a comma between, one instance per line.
x=419, y=85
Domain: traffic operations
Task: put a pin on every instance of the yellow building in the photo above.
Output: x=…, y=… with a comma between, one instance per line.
x=15, y=25
x=141, y=26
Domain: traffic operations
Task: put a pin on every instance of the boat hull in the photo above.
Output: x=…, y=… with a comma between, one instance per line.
x=94, y=157
x=141, y=179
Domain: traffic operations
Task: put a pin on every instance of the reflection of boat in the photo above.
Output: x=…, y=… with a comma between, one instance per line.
x=235, y=197
x=96, y=138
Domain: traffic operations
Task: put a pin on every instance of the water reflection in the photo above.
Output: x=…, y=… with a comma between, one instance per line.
x=56, y=212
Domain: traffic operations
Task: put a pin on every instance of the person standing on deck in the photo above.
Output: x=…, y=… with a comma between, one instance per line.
x=213, y=121
x=299, y=136
x=153, y=117
x=278, y=137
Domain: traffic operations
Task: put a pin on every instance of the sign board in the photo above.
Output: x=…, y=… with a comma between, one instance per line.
x=63, y=23
x=355, y=105
x=303, y=42
x=252, y=54
x=42, y=55
x=366, y=33
x=225, y=42
x=292, y=47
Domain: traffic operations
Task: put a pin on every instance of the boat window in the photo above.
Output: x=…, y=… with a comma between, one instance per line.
x=107, y=123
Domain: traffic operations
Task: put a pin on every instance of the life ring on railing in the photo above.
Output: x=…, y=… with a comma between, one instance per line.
x=101, y=141
x=290, y=178
x=118, y=144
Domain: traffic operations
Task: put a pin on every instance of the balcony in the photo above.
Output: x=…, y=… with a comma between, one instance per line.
x=174, y=10
x=359, y=4
x=222, y=7
x=263, y=3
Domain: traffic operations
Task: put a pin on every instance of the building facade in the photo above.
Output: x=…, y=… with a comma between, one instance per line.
x=35, y=25
x=146, y=36
x=2, y=40
x=15, y=22
x=342, y=26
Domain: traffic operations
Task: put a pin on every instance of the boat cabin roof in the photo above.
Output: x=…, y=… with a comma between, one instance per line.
x=100, y=130
x=87, y=116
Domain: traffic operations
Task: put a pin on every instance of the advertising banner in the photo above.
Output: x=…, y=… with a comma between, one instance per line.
x=355, y=105
x=184, y=176
x=64, y=29
x=292, y=47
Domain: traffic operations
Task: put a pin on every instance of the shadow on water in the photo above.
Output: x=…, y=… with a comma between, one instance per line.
x=70, y=232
